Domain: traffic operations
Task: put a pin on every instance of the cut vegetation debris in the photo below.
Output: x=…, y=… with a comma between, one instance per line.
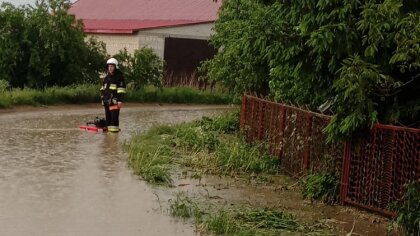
x=240, y=221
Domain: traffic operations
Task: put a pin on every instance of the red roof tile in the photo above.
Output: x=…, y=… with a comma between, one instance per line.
x=128, y=16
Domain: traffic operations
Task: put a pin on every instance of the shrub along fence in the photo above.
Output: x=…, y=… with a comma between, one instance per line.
x=374, y=168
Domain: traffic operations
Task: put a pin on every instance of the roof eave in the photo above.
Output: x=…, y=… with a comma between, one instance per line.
x=173, y=26
x=135, y=30
x=109, y=31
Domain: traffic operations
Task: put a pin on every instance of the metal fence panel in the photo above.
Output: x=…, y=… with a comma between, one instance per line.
x=379, y=165
x=293, y=134
x=374, y=168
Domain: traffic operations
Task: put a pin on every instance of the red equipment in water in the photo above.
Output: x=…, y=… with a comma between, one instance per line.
x=95, y=126
x=90, y=128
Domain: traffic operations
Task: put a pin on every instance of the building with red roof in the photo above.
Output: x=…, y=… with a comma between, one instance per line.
x=177, y=30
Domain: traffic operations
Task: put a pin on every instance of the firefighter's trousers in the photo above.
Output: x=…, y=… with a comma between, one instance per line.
x=112, y=114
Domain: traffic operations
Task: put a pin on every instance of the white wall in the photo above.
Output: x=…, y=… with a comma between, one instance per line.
x=197, y=31
x=154, y=38
x=116, y=42
x=155, y=42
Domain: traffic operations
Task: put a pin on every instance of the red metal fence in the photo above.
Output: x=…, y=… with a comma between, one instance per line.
x=294, y=135
x=379, y=165
x=374, y=168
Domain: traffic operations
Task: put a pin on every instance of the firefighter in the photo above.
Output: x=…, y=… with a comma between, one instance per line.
x=112, y=94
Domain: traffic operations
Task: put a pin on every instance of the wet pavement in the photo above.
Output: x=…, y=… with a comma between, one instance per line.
x=58, y=180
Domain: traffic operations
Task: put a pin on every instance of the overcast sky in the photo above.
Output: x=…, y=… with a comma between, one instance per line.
x=22, y=2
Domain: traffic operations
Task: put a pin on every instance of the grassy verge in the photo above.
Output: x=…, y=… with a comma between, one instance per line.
x=90, y=94
x=212, y=145
x=239, y=220
x=50, y=96
x=208, y=145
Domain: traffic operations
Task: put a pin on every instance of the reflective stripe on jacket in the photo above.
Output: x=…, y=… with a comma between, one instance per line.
x=113, y=89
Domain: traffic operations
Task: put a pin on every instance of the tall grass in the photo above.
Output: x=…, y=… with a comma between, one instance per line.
x=238, y=220
x=90, y=94
x=183, y=206
x=178, y=95
x=223, y=223
x=49, y=96
x=204, y=144
x=213, y=145
x=321, y=186
x=228, y=123
x=149, y=155
x=230, y=155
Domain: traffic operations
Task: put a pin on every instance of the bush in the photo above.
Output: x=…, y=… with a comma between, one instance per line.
x=321, y=186
x=408, y=210
x=226, y=123
x=4, y=85
x=141, y=69
x=361, y=57
x=45, y=46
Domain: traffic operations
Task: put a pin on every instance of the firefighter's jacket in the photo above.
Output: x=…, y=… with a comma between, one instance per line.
x=113, y=89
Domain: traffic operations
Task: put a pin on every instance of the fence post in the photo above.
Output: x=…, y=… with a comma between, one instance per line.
x=307, y=147
x=250, y=132
x=345, y=172
x=261, y=119
x=243, y=112
x=270, y=131
x=281, y=129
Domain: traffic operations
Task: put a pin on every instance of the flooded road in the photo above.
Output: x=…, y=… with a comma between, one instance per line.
x=58, y=180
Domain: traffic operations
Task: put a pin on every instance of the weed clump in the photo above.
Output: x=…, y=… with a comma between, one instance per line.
x=183, y=206
x=321, y=186
x=150, y=158
x=408, y=219
x=195, y=139
x=228, y=123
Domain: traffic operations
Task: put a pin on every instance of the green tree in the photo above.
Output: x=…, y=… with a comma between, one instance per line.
x=240, y=64
x=45, y=46
x=142, y=68
x=13, y=43
x=361, y=58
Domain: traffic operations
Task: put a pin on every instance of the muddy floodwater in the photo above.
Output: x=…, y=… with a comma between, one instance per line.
x=58, y=180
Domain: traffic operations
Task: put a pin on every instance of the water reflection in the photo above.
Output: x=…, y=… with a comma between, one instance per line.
x=57, y=180
x=111, y=160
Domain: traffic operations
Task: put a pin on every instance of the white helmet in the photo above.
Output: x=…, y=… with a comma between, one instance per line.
x=112, y=61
